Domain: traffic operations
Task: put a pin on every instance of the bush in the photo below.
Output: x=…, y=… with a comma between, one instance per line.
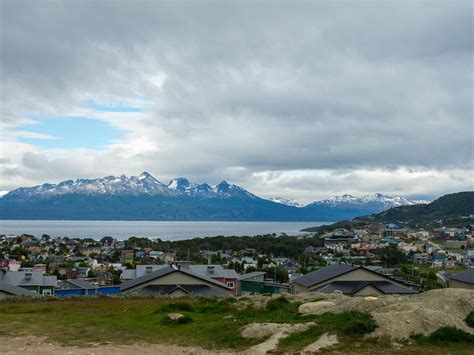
x=277, y=303
x=349, y=322
x=213, y=305
x=175, y=307
x=450, y=335
x=470, y=319
x=358, y=323
x=183, y=320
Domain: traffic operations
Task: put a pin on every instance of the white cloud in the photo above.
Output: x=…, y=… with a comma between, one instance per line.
x=297, y=100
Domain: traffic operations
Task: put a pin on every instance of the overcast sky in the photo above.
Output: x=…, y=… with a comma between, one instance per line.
x=290, y=99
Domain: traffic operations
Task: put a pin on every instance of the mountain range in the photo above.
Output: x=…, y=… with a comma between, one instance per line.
x=143, y=197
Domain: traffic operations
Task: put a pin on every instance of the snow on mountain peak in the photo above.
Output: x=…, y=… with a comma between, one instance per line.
x=145, y=183
x=285, y=201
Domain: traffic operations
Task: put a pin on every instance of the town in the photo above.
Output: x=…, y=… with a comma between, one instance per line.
x=374, y=259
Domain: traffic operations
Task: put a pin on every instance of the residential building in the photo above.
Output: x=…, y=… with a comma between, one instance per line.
x=350, y=280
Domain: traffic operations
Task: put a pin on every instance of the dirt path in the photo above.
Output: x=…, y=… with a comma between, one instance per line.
x=40, y=346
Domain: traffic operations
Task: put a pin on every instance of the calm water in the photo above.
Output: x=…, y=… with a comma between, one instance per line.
x=152, y=229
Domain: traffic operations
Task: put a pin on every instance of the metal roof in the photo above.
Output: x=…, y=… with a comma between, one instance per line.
x=251, y=275
x=14, y=290
x=324, y=274
x=464, y=276
x=352, y=287
x=35, y=278
x=165, y=271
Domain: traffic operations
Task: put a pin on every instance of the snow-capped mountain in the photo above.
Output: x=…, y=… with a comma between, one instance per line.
x=286, y=202
x=143, y=197
x=375, y=199
x=144, y=184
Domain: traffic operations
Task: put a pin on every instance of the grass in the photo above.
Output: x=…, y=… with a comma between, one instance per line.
x=208, y=323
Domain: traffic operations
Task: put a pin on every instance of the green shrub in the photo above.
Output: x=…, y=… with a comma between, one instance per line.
x=183, y=320
x=349, y=322
x=277, y=303
x=213, y=305
x=450, y=335
x=445, y=335
x=470, y=319
x=175, y=307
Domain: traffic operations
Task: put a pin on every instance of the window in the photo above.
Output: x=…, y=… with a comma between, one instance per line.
x=230, y=284
x=47, y=292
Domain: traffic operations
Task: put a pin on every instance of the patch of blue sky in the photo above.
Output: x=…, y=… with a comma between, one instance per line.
x=71, y=132
x=115, y=107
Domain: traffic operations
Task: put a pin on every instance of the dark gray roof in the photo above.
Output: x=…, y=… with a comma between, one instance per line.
x=465, y=276
x=219, y=271
x=324, y=274
x=195, y=290
x=80, y=283
x=352, y=287
x=37, y=278
x=14, y=290
x=251, y=275
x=166, y=271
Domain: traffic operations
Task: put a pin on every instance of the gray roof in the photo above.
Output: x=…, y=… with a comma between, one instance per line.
x=202, y=290
x=18, y=278
x=14, y=290
x=165, y=271
x=465, y=276
x=324, y=274
x=352, y=287
x=251, y=275
x=219, y=271
x=80, y=283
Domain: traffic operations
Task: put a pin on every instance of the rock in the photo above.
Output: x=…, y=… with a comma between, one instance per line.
x=371, y=298
x=174, y=317
x=316, y=307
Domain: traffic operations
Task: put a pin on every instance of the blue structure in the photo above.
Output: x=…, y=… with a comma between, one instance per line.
x=79, y=287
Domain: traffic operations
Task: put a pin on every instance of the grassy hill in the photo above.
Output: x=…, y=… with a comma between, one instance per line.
x=448, y=207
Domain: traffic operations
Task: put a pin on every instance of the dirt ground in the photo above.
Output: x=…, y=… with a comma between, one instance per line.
x=40, y=346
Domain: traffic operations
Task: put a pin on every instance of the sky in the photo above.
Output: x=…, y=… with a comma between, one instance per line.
x=301, y=100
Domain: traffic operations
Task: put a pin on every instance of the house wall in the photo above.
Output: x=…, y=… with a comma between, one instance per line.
x=4, y=294
x=368, y=291
x=177, y=278
x=300, y=288
x=460, y=284
x=355, y=275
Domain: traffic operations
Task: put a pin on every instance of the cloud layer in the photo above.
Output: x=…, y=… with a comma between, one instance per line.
x=291, y=99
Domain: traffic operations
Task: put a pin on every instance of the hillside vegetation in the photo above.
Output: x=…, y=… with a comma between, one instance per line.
x=452, y=210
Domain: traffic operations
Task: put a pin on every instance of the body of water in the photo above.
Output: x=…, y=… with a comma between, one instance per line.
x=165, y=230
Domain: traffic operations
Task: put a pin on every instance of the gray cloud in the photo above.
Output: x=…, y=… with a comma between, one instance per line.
x=241, y=90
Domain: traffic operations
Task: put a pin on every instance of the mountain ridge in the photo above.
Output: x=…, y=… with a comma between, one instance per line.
x=145, y=197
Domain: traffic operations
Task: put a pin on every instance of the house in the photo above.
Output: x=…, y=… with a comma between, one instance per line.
x=464, y=279
x=8, y=290
x=228, y=277
x=290, y=266
x=75, y=287
x=255, y=283
x=34, y=281
x=80, y=287
x=350, y=280
x=216, y=272
x=175, y=281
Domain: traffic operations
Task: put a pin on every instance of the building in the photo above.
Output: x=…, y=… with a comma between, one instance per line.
x=350, y=280
x=7, y=290
x=80, y=287
x=464, y=279
x=175, y=281
x=31, y=280
x=255, y=283
x=216, y=272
